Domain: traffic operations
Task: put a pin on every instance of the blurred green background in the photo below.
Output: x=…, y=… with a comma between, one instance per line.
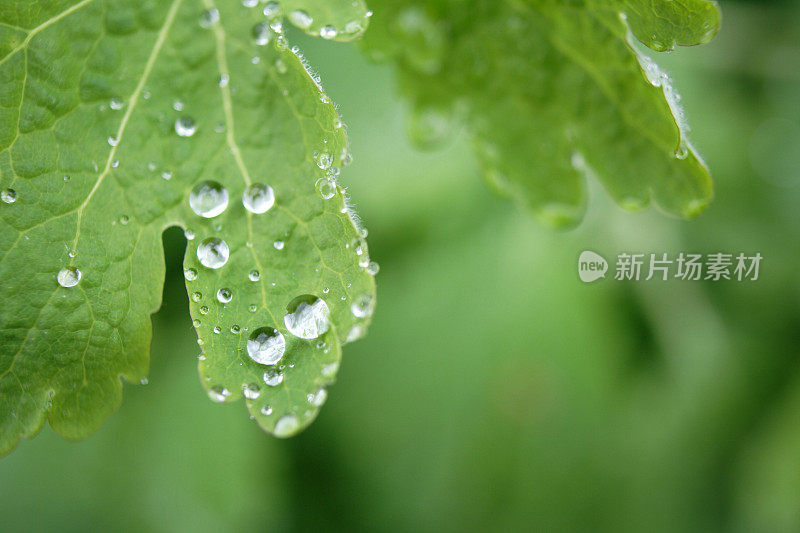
x=495, y=390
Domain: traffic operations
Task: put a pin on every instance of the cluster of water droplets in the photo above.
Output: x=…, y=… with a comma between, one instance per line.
x=351, y=29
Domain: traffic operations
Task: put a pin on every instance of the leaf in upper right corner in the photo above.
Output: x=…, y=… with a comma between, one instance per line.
x=552, y=92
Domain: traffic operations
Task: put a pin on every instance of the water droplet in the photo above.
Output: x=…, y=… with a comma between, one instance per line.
x=8, y=196
x=213, y=253
x=373, y=268
x=208, y=199
x=273, y=377
x=258, y=198
x=263, y=34
x=197, y=296
x=278, y=245
x=307, y=317
x=115, y=104
x=286, y=426
x=363, y=306
x=144, y=381
x=69, y=277
x=112, y=141
x=253, y=308
x=235, y=328
x=185, y=126
x=266, y=410
x=217, y=330
x=218, y=394
x=249, y=3
x=323, y=160
x=189, y=234
x=196, y=323
x=682, y=152
x=115, y=163
x=167, y=175
x=177, y=105
x=301, y=19
x=317, y=398
x=326, y=188
x=254, y=275
x=204, y=310
x=224, y=295
x=190, y=274
x=251, y=392
x=223, y=80
x=328, y=32
x=330, y=369
x=208, y=18
x=124, y=219
x=266, y=346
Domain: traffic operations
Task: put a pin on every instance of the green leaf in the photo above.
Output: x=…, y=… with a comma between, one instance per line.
x=110, y=114
x=552, y=92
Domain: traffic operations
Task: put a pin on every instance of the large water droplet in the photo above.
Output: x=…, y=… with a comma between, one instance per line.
x=185, y=126
x=266, y=346
x=258, y=198
x=213, y=253
x=208, y=199
x=307, y=317
x=69, y=277
x=273, y=377
x=8, y=196
x=286, y=426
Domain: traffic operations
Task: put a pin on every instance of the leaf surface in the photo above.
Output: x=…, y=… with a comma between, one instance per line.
x=552, y=92
x=111, y=113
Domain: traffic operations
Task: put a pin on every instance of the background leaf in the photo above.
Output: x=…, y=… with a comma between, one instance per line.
x=552, y=92
x=113, y=113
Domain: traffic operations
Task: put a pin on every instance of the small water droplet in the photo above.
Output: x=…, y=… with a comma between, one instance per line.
x=317, y=398
x=326, y=188
x=235, y=328
x=208, y=18
x=307, y=317
x=167, y=175
x=253, y=308
x=185, y=126
x=217, y=330
x=8, y=196
x=286, y=426
x=301, y=19
x=218, y=394
x=144, y=381
x=271, y=9
x=266, y=410
x=258, y=198
x=189, y=234
x=323, y=160
x=115, y=104
x=254, y=275
x=204, y=310
x=273, y=377
x=124, y=219
x=208, y=199
x=224, y=295
x=251, y=392
x=213, y=253
x=190, y=274
x=266, y=346
x=362, y=306
x=373, y=268
x=328, y=32
x=197, y=296
x=69, y=277
x=177, y=105
x=112, y=141
x=278, y=245
x=196, y=323
x=224, y=79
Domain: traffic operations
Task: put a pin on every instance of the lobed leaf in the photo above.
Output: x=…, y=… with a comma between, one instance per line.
x=111, y=113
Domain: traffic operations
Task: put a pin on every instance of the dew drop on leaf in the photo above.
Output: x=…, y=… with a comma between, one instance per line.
x=218, y=394
x=286, y=426
x=224, y=295
x=326, y=188
x=278, y=245
x=190, y=274
x=301, y=19
x=362, y=306
x=307, y=317
x=184, y=127
x=254, y=275
x=208, y=199
x=213, y=253
x=328, y=32
x=69, y=277
x=8, y=196
x=263, y=34
x=258, y=198
x=273, y=377
x=251, y=392
x=208, y=18
x=317, y=398
x=266, y=346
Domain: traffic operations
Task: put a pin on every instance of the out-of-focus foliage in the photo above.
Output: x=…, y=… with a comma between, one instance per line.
x=553, y=92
